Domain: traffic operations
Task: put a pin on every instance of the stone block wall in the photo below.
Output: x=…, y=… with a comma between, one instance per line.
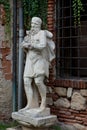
x=5, y=72
x=69, y=104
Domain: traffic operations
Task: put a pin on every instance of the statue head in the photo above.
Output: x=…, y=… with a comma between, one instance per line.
x=36, y=23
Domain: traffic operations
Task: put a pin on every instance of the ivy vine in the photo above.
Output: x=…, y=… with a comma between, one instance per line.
x=33, y=8
x=6, y=5
x=77, y=9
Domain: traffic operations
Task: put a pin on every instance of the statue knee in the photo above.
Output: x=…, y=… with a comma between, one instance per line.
x=27, y=81
x=38, y=83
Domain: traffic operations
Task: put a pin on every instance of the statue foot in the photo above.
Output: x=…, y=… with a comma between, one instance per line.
x=42, y=106
x=24, y=109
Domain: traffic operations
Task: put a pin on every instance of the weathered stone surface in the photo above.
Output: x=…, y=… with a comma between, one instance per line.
x=0, y=56
x=69, y=92
x=74, y=126
x=35, y=121
x=15, y=128
x=49, y=101
x=79, y=126
x=9, y=57
x=34, y=128
x=65, y=127
x=49, y=89
x=61, y=91
x=78, y=102
x=83, y=92
x=35, y=112
x=5, y=98
x=2, y=34
x=62, y=102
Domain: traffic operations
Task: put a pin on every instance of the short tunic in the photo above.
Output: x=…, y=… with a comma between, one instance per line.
x=36, y=64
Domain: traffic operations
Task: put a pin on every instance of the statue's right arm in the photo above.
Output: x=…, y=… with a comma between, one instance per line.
x=24, y=44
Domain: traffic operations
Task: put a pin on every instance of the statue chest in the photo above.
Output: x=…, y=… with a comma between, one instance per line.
x=34, y=39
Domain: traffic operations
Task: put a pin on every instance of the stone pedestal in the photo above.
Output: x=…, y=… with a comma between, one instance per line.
x=35, y=119
x=34, y=128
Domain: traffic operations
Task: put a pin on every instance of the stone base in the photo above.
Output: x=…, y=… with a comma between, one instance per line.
x=29, y=128
x=36, y=112
x=34, y=128
x=35, y=117
x=35, y=121
x=15, y=128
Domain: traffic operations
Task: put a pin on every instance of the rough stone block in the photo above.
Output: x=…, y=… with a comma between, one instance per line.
x=78, y=102
x=69, y=92
x=61, y=91
x=35, y=112
x=35, y=121
x=62, y=102
x=15, y=128
x=83, y=92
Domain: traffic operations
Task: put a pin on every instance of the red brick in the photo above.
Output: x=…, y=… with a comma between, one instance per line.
x=70, y=83
x=85, y=122
x=80, y=118
x=81, y=84
x=70, y=120
x=75, y=84
x=55, y=96
x=63, y=112
x=8, y=76
x=2, y=14
x=73, y=111
x=66, y=116
x=50, y=6
x=66, y=83
x=51, y=1
x=5, y=44
x=7, y=68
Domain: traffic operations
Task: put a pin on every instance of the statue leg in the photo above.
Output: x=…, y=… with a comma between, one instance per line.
x=28, y=92
x=39, y=81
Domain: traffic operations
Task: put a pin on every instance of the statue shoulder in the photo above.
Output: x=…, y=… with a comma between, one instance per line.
x=42, y=32
x=47, y=33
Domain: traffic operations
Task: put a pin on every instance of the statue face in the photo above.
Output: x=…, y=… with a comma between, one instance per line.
x=35, y=26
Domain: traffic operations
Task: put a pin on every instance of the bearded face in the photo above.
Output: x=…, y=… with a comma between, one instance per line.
x=35, y=27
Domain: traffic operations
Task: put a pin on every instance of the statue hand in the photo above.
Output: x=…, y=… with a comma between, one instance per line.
x=30, y=47
x=25, y=45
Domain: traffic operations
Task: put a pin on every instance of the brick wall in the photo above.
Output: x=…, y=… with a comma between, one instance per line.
x=5, y=72
x=67, y=98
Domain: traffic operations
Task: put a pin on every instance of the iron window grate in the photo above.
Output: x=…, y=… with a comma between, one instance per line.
x=71, y=41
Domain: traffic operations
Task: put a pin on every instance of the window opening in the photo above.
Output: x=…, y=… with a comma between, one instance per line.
x=71, y=41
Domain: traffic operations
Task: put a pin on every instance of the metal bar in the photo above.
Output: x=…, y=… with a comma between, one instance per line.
x=62, y=24
x=57, y=53
x=57, y=35
x=67, y=17
x=14, y=55
x=70, y=40
x=21, y=61
x=78, y=50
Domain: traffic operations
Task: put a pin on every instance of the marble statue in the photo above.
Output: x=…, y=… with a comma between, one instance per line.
x=39, y=49
x=39, y=54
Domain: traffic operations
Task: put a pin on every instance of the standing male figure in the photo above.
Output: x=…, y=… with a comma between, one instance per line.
x=40, y=52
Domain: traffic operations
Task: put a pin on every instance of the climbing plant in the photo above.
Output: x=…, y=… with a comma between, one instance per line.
x=34, y=8
x=7, y=17
x=77, y=9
